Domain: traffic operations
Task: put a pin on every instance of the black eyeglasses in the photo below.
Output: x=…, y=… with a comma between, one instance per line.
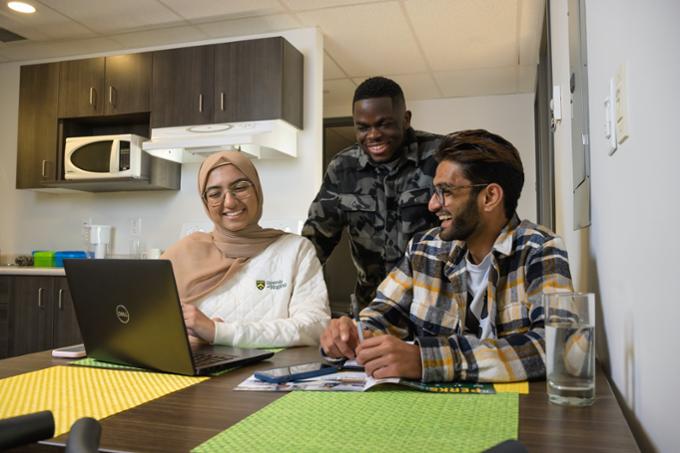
x=446, y=191
x=239, y=190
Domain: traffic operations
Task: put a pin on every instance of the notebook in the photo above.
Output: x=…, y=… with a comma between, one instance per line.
x=129, y=313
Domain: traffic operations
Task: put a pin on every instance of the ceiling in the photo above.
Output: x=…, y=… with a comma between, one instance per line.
x=432, y=48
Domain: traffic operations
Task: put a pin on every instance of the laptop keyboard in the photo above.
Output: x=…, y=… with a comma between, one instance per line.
x=203, y=359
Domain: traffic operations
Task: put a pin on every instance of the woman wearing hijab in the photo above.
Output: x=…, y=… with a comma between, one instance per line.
x=241, y=284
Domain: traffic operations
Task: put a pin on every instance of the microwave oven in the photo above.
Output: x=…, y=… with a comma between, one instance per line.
x=105, y=156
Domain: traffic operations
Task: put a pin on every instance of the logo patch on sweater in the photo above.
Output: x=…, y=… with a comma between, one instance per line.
x=270, y=284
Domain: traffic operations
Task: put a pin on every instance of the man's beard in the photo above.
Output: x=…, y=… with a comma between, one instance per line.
x=464, y=223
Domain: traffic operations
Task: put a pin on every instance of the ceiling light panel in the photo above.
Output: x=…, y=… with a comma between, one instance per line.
x=116, y=16
x=249, y=26
x=213, y=10
x=465, y=34
x=160, y=37
x=44, y=24
x=361, y=43
x=25, y=50
x=302, y=5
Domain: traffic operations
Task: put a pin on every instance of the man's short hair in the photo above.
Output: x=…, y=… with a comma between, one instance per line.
x=486, y=158
x=379, y=87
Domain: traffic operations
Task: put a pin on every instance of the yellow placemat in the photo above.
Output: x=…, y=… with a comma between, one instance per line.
x=75, y=392
x=512, y=387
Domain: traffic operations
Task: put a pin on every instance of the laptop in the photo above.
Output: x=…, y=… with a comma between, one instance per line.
x=129, y=313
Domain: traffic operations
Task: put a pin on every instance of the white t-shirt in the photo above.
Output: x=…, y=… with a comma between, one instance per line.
x=277, y=299
x=477, y=282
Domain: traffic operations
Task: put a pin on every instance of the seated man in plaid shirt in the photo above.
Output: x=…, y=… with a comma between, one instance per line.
x=465, y=301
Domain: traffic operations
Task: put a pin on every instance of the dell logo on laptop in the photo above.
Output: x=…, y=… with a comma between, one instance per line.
x=122, y=314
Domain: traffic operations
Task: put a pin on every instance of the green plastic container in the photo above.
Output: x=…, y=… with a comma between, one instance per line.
x=43, y=258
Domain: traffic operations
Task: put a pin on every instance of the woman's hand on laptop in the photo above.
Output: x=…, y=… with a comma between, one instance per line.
x=198, y=324
x=196, y=341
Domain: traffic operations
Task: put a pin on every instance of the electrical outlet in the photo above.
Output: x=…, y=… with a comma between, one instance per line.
x=136, y=226
x=85, y=229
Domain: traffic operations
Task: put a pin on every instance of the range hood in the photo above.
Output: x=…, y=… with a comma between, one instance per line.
x=260, y=139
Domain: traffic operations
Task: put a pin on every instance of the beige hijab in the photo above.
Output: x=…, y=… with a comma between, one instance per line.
x=202, y=262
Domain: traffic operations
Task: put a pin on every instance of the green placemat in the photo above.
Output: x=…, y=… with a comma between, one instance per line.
x=373, y=421
x=94, y=363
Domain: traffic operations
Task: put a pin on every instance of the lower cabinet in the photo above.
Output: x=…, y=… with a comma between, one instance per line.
x=40, y=314
x=4, y=315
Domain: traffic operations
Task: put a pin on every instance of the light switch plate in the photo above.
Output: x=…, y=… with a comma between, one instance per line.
x=556, y=103
x=621, y=107
x=135, y=226
x=610, y=117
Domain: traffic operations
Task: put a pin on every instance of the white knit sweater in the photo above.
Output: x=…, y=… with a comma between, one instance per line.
x=277, y=299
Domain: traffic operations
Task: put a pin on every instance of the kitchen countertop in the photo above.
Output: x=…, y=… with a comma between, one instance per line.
x=28, y=270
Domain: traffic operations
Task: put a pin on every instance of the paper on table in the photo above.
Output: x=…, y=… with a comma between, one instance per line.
x=357, y=381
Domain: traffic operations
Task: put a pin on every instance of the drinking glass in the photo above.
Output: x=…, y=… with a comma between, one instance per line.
x=136, y=248
x=570, y=348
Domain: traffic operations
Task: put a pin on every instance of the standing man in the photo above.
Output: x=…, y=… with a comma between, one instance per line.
x=378, y=189
x=468, y=293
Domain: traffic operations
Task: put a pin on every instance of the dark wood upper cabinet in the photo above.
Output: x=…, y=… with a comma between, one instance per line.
x=105, y=86
x=37, y=135
x=128, y=84
x=81, y=88
x=254, y=80
x=260, y=79
x=182, y=87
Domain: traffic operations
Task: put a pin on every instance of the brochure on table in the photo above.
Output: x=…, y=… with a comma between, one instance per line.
x=358, y=381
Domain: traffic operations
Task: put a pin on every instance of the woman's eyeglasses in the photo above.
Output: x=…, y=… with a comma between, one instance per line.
x=239, y=190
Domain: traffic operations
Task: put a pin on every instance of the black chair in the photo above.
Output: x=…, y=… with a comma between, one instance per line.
x=27, y=429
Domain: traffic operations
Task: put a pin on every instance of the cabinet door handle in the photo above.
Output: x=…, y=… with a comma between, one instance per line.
x=60, y=297
x=41, y=303
x=93, y=98
x=42, y=171
x=200, y=103
x=222, y=101
x=111, y=94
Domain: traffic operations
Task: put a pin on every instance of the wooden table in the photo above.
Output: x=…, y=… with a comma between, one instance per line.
x=185, y=419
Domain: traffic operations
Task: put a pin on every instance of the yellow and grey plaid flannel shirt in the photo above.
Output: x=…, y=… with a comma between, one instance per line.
x=425, y=298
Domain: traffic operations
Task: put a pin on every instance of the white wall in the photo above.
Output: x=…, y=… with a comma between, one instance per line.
x=511, y=116
x=32, y=220
x=629, y=254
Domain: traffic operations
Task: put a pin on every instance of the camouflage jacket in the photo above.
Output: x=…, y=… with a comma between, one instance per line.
x=380, y=205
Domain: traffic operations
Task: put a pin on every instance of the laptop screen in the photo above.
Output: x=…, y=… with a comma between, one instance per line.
x=129, y=313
